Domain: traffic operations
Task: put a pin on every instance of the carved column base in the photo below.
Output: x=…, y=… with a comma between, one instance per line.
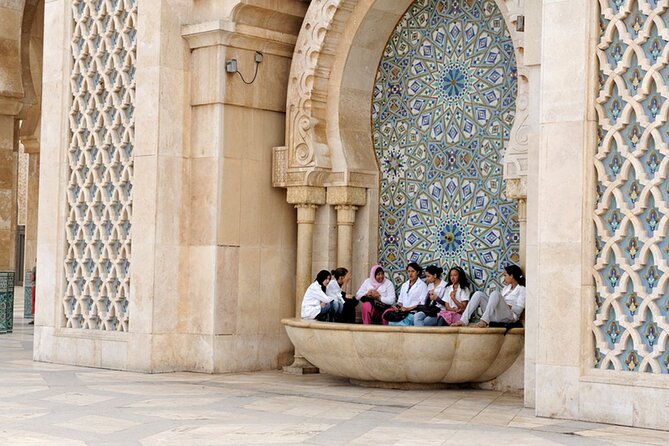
x=300, y=367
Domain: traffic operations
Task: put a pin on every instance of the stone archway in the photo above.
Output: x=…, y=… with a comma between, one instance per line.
x=329, y=156
x=328, y=130
x=20, y=98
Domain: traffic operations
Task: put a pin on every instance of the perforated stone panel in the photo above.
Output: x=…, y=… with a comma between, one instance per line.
x=443, y=107
x=99, y=193
x=631, y=213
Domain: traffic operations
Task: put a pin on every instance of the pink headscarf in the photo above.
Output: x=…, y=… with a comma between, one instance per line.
x=372, y=277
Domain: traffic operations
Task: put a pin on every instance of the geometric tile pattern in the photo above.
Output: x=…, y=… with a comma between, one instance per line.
x=99, y=193
x=6, y=301
x=444, y=103
x=632, y=207
x=28, y=295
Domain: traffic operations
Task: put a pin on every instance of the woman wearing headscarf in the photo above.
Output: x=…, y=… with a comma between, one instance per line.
x=376, y=294
x=316, y=304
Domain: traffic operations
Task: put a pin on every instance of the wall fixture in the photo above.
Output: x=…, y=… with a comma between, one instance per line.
x=231, y=67
x=520, y=23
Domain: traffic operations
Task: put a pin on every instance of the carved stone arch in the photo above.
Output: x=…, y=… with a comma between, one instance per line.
x=328, y=124
x=11, y=16
x=32, y=30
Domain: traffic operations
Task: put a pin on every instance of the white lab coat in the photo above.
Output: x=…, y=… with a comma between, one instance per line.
x=311, y=302
x=410, y=297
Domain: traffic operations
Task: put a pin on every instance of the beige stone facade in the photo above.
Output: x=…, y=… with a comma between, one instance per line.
x=183, y=209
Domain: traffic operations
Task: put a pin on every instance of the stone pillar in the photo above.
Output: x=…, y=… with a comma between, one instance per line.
x=31, y=205
x=345, y=220
x=306, y=200
x=8, y=182
x=516, y=188
x=306, y=216
x=346, y=201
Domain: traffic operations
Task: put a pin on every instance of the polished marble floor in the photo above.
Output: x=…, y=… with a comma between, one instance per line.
x=46, y=405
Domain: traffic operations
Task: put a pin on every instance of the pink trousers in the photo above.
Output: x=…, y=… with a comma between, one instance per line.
x=371, y=314
x=450, y=316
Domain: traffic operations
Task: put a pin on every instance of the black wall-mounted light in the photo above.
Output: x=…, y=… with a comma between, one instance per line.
x=231, y=67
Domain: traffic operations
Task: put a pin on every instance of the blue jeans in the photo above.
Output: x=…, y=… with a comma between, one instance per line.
x=406, y=321
x=326, y=313
x=421, y=319
x=337, y=307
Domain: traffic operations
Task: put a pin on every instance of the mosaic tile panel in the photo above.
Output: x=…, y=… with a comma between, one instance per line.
x=443, y=107
x=632, y=212
x=28, y=295
x=6, y=301
x=100, y=160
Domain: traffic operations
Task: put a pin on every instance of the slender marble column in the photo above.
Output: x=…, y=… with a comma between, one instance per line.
x=32, y=206
x=8, y=191
x=522, y=223
x=306, y=200
x=306, y=216
x=345, y=221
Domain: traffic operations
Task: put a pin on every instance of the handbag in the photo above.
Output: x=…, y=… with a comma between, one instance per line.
x=395, y=316
x=377, y=303
x=429, y=310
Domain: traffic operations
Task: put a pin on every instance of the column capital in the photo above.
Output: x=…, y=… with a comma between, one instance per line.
x=306, y=195
x=516, y=188
x=346, y=196
x=345, y=214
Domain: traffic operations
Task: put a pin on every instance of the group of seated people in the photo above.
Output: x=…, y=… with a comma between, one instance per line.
x=432, y=302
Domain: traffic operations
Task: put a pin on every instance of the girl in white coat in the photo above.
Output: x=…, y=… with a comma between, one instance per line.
x=344, y=306
x=316, y=304
x=412, y=293
x=435, y=297
x=505, y=307
x=456, y=295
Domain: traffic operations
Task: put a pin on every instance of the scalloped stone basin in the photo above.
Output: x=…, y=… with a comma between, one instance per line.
x=395, y=354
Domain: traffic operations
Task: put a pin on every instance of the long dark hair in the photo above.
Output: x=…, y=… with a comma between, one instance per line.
x=516, y=272
x=321, y=277
x=463, y=280
x=435, y=271
x=416, y=267
x=339, y=272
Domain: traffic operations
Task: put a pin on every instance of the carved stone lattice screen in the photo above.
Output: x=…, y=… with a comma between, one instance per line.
x=99, y=193
x=443, y=107
x=632, y=208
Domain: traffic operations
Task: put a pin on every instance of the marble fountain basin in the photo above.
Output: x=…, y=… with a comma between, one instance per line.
x=368, y=354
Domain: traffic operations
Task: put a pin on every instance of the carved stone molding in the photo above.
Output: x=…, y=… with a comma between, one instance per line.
x=227, y=33
x=304, y=150
x=346, y=196
x=516, y=156
x=306, y=195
